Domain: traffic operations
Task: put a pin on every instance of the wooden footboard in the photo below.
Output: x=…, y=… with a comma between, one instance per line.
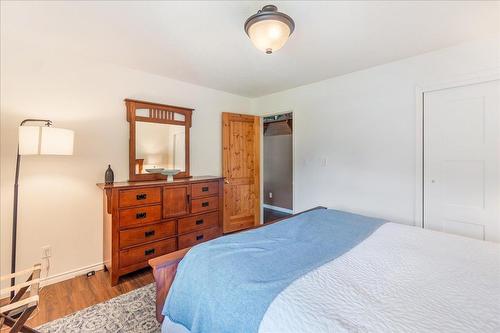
x=165, y=268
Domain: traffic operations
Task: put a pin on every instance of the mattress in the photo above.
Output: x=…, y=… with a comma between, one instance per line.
x=399, y=279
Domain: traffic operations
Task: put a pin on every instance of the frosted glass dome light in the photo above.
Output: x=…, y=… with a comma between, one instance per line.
x=269, y=29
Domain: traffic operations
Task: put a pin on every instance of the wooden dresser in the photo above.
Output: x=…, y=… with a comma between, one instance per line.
x=143, y=220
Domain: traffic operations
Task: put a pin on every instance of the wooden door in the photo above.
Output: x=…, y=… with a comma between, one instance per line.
x=175, y=201
x=241, y=169
x=462, y=160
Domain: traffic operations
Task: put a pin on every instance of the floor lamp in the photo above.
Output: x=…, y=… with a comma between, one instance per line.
x=36, y=140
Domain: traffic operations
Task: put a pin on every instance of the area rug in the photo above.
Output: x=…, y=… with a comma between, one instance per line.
x=130, y=312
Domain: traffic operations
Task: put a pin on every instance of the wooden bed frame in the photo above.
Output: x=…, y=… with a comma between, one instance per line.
x=165, y=268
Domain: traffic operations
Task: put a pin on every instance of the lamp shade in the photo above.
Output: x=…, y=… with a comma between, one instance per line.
x=29, y=140
x=36, y=140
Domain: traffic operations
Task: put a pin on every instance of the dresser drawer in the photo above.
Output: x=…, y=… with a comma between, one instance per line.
x=198, y=237
x=150, y=195
x=140, y=235
x=143, y=253
x=204, y=204
x=140, y=215
x=198, y=222
x=204, y=189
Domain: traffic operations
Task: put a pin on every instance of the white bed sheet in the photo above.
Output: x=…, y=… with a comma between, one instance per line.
x=400, y=279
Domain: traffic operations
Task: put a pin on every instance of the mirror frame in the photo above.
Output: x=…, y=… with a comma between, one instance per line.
x=158, y=113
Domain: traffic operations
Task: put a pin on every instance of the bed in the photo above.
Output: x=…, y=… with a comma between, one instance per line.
x=331, y=271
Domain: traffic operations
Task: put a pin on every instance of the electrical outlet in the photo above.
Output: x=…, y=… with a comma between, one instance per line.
x=46, y=251
x=270, y=195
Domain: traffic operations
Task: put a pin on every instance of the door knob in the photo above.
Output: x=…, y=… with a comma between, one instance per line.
x=226, y=181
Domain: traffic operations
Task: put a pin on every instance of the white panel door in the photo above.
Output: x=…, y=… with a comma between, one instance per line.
x=461, y=160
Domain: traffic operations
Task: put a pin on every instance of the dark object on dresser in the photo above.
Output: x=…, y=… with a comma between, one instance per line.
x=143, y=220
x=109, y=175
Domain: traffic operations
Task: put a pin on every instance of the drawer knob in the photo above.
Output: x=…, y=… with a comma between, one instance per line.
x=199, y=237
x=141, y=196
x=149, y=252
x=198, y=222
x=204, y=189
x=141, y=215
x=149, y=233
x=204, y=204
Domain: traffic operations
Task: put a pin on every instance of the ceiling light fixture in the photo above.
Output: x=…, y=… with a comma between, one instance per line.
x=269, y=29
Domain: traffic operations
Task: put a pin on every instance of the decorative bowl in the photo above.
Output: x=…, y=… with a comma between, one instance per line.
x=155, y=170
x=170, y=173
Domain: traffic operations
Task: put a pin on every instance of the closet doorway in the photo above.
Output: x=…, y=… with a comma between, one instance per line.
x=277, y=166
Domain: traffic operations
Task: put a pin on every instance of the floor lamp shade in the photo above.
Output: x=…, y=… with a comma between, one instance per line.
x=37, y=140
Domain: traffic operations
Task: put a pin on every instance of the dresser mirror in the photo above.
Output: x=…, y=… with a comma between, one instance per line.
x=159, y=140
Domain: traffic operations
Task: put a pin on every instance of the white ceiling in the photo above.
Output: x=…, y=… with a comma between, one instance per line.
x=204, y=42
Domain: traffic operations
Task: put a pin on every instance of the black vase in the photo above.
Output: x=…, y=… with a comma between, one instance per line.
x=109, y=176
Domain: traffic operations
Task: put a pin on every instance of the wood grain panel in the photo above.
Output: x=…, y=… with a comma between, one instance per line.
x=145, y=252
x=142, y=196
x=204, y=204
x=175, y=201
x=140, y=215
x=241, y=209
x=198, y=237
x=241, y=159
x=204, y=189
x=145, y=234
x=198, y=222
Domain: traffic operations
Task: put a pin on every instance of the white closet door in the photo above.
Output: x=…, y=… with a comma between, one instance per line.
x=461, y=160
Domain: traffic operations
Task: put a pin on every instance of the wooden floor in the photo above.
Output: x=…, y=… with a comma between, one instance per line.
x=63, y=298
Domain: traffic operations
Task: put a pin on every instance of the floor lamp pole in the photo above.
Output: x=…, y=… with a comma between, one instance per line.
x=14, y=223
x=14, y=214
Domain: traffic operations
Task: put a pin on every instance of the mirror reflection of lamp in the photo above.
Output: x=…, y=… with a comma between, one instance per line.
x=139, y=165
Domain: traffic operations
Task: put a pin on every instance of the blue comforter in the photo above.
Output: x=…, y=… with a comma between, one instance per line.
x=227, y=284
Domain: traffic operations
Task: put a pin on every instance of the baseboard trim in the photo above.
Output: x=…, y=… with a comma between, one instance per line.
x=70, y=274
x=65, y=275
x=279, y=209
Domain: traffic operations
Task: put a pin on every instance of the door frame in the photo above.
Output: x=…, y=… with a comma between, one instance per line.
x=420, y=91
x=262, y=160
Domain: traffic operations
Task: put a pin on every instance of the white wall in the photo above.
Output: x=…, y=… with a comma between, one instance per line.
x=363, y=126
x=362, y=123
x=60, y=204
